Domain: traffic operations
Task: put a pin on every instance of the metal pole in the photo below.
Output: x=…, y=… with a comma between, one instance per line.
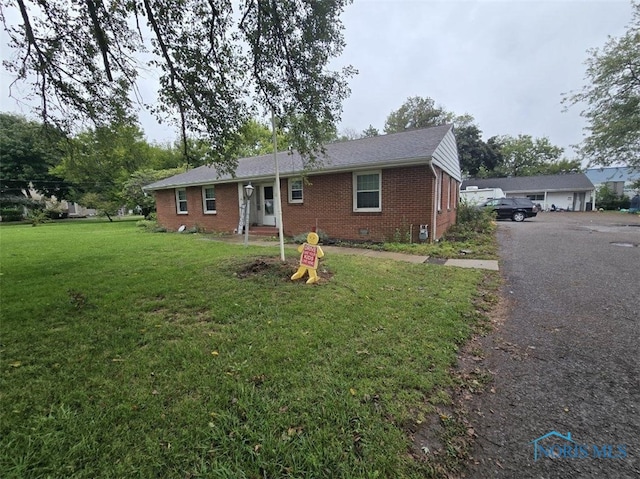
x=246, y=221
x=279, y=198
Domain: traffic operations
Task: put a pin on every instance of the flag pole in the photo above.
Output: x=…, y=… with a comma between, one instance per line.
x=279, y=197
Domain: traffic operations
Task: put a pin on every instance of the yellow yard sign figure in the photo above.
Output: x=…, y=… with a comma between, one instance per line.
x=310, y=252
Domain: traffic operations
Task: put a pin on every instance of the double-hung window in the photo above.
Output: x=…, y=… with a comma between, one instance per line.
x=439, y=190
x=209, y=199
x=367, y=191
x=295, y=190
x=181, y=201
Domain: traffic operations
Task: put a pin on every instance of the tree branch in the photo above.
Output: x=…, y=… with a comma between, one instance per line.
x=100, y=37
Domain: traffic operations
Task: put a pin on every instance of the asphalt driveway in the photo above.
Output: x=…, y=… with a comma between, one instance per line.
x=565, y=354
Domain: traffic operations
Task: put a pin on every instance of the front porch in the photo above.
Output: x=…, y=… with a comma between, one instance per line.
x=262, y=230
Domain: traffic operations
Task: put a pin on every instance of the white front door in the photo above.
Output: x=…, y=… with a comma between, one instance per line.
x=268, y=206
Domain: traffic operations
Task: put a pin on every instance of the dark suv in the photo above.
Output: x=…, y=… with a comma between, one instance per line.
x=516, y=209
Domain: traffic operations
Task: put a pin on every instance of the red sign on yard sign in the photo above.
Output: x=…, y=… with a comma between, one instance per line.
x=309, y=257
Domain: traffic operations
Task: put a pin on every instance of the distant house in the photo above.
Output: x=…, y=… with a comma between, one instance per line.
x=572, y=192
x=618, y=179
x=70, y=209
x=368, y=190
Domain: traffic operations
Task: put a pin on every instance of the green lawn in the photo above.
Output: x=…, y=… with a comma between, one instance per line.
x=132, y=354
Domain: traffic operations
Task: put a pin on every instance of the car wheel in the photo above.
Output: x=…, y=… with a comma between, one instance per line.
x=518, y=216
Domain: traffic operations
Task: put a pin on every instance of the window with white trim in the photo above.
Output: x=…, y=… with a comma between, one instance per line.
x=367, y=191
x=449, y=194
x=181, y=201
x=536, y=197
x=439, y=190
x=209, y=199
x=456, y=194
x=295, y=190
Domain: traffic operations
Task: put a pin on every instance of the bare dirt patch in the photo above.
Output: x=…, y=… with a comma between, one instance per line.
x=269, y=267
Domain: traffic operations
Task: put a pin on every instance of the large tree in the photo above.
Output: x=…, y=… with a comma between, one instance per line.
x=524, y=155
x=133, y=194
x=370, y=131
x=612, y=98
x=28, y=150
x=474, y=153
x=417, y=112
x=218, y=62
x=100, y=160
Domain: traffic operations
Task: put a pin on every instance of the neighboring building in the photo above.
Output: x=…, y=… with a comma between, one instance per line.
x=618, y=179
x=572, y=192
x=72, y=210
x=365, y=190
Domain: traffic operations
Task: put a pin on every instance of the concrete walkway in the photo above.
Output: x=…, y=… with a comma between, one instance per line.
x=487, y=264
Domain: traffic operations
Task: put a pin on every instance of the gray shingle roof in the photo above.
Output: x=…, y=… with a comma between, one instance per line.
x=408, y=147
x=531, y=184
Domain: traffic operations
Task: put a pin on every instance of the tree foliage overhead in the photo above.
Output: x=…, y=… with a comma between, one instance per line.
x=218, y=60
x=612, y=99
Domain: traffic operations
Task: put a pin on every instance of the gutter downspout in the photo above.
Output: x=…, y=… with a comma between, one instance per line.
x=435, y=202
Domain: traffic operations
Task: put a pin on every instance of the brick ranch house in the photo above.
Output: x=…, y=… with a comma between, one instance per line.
x=368, y=189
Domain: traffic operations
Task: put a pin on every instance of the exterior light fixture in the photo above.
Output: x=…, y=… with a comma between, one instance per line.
x=248, y=191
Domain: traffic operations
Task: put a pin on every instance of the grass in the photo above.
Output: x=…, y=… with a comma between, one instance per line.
x=131, y=354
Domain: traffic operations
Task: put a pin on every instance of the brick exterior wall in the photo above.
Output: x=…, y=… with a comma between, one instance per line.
x=447, y=213
x=328, y=206
x=225, y=220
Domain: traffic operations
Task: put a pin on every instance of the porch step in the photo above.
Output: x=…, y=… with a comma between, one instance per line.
x=263, y=230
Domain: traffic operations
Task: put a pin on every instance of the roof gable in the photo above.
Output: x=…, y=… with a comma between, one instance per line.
x=435, y=144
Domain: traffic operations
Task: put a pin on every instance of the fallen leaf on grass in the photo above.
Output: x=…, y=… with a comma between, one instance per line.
x=291, y=432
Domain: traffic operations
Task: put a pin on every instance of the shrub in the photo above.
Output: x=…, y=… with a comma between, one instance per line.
x=151, y=226
x=37, y=217
x=11, y=214
x=471, y=222
x=608, y=200
x=55, y=213
x=302, y=237
x=402, y=234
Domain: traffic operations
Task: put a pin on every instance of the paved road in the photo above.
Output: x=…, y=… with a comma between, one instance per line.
x=567, y=356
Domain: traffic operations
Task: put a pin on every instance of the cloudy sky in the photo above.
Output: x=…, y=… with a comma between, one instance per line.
x=507, y=63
